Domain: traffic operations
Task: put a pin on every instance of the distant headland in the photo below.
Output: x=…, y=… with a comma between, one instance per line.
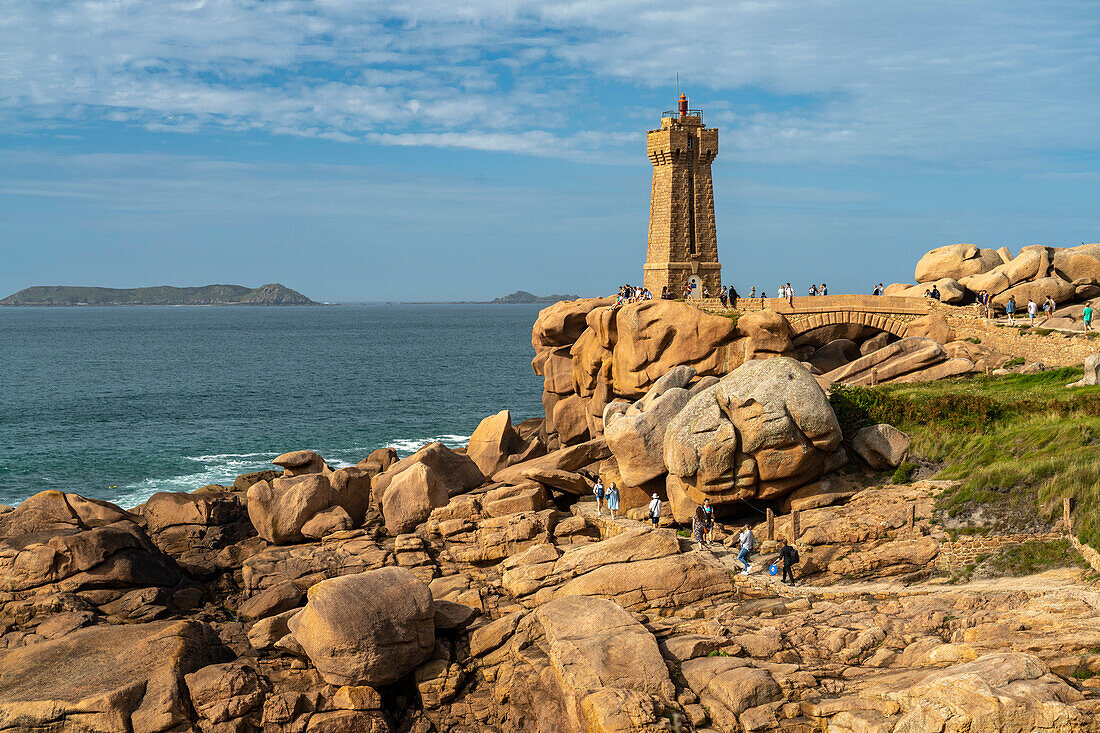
x=522, y=296
x=62, y=295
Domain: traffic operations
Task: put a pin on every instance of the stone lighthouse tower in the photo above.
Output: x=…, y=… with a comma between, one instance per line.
x=683, y=246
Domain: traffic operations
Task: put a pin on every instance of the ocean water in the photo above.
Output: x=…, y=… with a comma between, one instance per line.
x=119, y=403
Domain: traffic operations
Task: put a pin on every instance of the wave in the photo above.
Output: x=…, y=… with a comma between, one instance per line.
x=223, y=468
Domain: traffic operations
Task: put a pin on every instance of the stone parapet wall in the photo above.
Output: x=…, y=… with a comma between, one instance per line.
x=1092, y=557
x=968, y=549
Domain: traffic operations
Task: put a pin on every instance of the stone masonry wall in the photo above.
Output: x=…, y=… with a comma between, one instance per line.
x=969, y=548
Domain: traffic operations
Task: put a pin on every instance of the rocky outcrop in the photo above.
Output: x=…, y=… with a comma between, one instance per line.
x=495, y=444
x=107, y=678
x=367, y=629
x=621, y=351
x=1092, y=372
x=955, y=261
x=882, y=446
x=910, y=359
x=761, y=431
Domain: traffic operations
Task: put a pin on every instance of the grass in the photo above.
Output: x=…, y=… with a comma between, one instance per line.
x=1034, y=557
x=1018, y=444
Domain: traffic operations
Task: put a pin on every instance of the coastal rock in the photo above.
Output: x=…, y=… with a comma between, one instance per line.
x=765, y=334
x=126, y=678
x=344, y=553
x=351, y=491
x=909, y=355
x=1092, y=372
x=882, y=446
x=323, y=523
x=1037, y=290
x=875, y=343
x=635, y=434
x=1006, y=693
x=955, y=261
x=410, y=498
x=496, y=445
x=193, y=528
x=562, y=323
x=367, y=629
x=300, y=463
x=1078, y=265
x=378, y=461
x=933, y=326
x=51, y=511
x=835, y=354
x=457, y=472
x=763, y=430
x=280, y=508
x=225, y=694
x=571, y=459
x=951, y=290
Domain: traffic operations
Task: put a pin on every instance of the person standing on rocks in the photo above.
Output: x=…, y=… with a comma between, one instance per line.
x=1048, y=309
x=1086, y=316
x=1010, y=309
x=699, y=528
x=708, y=522
x=747, y=541
x=597, y=489
x=613, y=499
x=655, y=510
x=788, y=558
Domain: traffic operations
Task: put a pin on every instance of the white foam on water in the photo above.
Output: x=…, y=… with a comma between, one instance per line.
x=223, y=468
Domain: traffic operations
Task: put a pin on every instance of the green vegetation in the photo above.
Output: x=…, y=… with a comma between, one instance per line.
x=904, y=472
x=61, y=295
x=1018, y=444
x=1034, y=557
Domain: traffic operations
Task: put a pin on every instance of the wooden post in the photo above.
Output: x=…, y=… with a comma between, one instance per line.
x=1067, y=514
x=794, y=526
x=771, y=524
x=912, y=516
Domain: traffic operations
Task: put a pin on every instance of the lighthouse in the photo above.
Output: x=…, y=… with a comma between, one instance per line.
x=683, y=244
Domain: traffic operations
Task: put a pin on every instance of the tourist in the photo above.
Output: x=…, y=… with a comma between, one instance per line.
x=752, y=293
x=706, y=293
x=664, y=293
x=722, y=298
x=733, y=296
x=1086, y=316
x=823, y=290
x=935, y=293
x=877, y=290
x=1032, y=311
x=597, y=489
x=687, y=292
x=655, y=510
x=983, y=302
x=1010, y=309
x=613, y=499
x=763, y=295
x=646, y=295
x=1048, y=308
x=788, y=557
x=747, y=541
x=813, y=290
x=708, y=525
x=790, y=295
x=699, y=527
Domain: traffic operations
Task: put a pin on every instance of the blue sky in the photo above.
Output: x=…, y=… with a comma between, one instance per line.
x=439, y=150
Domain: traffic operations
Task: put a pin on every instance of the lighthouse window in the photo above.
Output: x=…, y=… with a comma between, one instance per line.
x=690, y=140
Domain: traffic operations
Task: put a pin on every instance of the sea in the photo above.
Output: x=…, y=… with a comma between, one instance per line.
x=120, y=403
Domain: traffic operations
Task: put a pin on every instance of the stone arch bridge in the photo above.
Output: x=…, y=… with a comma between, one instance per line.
x=805, y=313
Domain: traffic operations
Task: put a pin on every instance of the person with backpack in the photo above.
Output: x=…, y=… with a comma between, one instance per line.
x=747, y=542
x=788, y=557
x=655, y=510
x=597, y=489
x=1010, y=308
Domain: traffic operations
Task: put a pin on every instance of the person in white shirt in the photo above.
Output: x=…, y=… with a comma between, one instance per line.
x=655, y=510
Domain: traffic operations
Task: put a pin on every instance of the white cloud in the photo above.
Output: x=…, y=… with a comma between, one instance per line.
x=819, y=81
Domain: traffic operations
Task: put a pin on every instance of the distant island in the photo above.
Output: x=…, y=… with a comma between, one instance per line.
x=522, y=296
x=62, y=295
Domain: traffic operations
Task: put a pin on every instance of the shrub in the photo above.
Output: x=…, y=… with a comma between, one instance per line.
x=1014, y=362
x=904, y=472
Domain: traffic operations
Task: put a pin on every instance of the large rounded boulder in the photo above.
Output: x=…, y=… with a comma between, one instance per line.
x=763, y=430
x=280, y=508
x=367, y=629
x=956, y=261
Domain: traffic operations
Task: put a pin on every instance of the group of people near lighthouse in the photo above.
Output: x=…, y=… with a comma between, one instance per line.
x=702, y=530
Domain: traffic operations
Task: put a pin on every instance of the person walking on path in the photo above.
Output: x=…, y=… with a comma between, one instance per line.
x=747, y=541
x=733, y=296
x=788, y=558
x=790, y=295
x=597, y=489
x=708, y=521
x=1048, y=309
x=613, y=499
x=655, y=510
x=1086, y=316
x=752, y=292
x=1010, y=309
x=1032, y=311
x=723, y=298
x=699, y=527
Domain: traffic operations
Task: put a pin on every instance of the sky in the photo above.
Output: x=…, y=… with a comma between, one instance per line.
x=365, y=151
